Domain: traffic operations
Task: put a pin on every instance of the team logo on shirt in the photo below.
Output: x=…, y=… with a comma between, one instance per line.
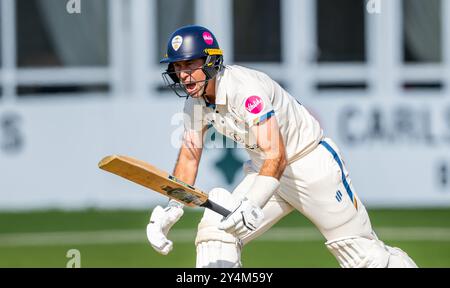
x=176, y=42
x=254, y=104
x=208, y=38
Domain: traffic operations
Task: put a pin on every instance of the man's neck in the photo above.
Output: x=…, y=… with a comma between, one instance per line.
x=210, y=99
x=210, y=95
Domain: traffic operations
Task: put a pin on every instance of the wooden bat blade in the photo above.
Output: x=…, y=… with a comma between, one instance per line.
x=151, y=177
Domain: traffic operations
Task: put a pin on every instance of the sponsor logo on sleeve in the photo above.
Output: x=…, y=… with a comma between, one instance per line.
x=254, y=104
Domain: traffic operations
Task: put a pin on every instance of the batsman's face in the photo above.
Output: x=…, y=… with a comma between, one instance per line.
x=191, y=76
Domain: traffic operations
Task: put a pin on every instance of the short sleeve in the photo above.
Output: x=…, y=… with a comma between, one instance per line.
x=256, y=107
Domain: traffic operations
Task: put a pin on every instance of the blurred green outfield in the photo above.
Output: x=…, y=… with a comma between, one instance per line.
x=117, y=239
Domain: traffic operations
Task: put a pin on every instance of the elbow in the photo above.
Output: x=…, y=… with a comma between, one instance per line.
x=278, y=159
x=283, y=162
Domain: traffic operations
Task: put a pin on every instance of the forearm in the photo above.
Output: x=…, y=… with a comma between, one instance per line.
x=189, y=156
x=271, y=143
x=267, y=181
x=186, y=169
x=188, y=159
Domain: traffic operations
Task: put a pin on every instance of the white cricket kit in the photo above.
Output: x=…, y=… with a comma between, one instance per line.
x=315, y=182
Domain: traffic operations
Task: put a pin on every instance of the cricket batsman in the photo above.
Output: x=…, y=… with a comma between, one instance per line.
x=292, y=165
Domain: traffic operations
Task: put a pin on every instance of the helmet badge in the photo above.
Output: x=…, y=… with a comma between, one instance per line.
x=176, y=42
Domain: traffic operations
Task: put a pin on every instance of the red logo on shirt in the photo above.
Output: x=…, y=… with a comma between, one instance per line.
x=208, y=38
x=254, y=104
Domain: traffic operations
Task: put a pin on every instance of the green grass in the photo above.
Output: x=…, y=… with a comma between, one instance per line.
x=306, y=253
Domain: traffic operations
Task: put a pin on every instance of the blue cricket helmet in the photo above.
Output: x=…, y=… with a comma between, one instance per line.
x=188, y=43
x=191, y=42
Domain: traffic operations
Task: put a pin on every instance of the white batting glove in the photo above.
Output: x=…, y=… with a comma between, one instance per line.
x=246, y=217
x=161, y=221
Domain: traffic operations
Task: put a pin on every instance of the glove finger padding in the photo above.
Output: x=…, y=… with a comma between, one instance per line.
x=158, y=216
x=158, y=240
x=229, y=223
x=241, y=231
x=161, y=221
x=234, y=225
x=245, y=218
x=173, y=215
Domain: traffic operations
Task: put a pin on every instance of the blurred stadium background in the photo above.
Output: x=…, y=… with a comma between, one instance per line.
x=75, y=87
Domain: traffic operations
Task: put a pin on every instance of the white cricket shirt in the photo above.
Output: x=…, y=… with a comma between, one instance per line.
x=246, y=97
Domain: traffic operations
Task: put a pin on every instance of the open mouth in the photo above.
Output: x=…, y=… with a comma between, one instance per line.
x=190, y=87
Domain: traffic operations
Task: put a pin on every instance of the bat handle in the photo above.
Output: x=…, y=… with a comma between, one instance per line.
x=216, y=208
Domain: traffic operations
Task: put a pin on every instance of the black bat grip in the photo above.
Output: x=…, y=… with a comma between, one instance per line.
x=216, y=208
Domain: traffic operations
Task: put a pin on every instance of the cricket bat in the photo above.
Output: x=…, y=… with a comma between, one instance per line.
x=162, y=182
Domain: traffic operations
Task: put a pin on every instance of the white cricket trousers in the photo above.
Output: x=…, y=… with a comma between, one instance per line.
x=319, y=187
